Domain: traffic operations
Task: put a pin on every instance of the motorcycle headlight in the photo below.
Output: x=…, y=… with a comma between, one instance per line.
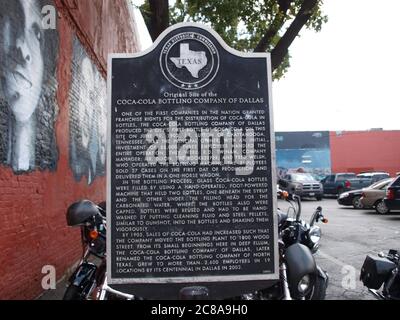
x=304, y=284
x=315, y=234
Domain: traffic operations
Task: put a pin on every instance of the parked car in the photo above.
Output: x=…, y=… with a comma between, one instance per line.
x=301, y=184
x=392, y=199
x=318, y=177
x=337, y=183
x=366, y=179
x=372, y=197
x=351, y=198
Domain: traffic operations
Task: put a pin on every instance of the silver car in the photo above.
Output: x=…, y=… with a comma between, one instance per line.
x=372, y=196
x=302, y=184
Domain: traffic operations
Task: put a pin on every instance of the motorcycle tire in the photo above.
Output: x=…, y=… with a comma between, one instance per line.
x=319, y=290
x=73, y=293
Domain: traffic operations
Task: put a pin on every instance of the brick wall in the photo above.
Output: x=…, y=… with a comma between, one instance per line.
x=356, y=151
x=34, y=199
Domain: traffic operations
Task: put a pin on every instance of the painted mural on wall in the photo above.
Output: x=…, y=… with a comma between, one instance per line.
x=88, y=117
x=28, y=85
x=303, y=151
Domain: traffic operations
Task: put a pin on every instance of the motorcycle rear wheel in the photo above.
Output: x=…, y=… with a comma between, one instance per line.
x=73, y=293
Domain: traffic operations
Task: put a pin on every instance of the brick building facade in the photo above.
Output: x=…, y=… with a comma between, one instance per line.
x=357, y=151
x=40, y=179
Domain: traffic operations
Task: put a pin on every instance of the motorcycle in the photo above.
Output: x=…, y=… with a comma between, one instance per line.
x=89, y=280
x=88, y=275
x=382, y=272
x=297, y=242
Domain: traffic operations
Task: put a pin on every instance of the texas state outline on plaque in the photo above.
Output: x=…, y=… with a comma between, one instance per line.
x=194, y=61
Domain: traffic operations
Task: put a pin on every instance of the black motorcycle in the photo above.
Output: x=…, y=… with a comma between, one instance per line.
x=91, y=269
x=300, y=277
x=298, y=241
x=382, y=272
x=89, y=280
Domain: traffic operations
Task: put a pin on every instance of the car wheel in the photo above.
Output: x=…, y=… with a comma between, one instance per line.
x=319, y=198
x=381, y=208
x=357, y=203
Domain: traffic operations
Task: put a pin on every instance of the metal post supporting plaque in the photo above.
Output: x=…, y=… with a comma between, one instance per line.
x=191, y=168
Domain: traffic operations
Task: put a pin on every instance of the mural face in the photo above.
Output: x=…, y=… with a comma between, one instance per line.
x=87, y=117
x=27, y=86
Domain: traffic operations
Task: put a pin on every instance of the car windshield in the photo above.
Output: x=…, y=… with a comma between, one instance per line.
x=304, y=177
x=396, y=182
x=342, y=177
x=369, y=175
x=380, y=184
x=364, y=175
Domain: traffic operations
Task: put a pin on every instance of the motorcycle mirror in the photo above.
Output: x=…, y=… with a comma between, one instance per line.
x=283, y=183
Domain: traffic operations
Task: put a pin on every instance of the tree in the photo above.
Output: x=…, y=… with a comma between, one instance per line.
x=246, y=25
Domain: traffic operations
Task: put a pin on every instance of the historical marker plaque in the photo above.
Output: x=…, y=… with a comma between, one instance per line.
x=191, y=164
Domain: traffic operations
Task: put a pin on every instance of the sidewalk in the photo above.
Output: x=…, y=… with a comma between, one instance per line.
x=56, y=294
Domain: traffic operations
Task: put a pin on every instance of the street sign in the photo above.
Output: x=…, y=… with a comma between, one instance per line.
x=191, y=166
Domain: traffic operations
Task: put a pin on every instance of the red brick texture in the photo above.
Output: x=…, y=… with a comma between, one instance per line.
x=33, y=231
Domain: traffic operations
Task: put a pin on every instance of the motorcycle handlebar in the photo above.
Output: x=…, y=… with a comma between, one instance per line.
x=317, y=215
x=297, y=200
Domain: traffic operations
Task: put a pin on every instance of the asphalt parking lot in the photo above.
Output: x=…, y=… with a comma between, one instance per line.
x=347, y=238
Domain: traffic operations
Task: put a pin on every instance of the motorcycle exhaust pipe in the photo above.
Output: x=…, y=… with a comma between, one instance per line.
x=106, y=289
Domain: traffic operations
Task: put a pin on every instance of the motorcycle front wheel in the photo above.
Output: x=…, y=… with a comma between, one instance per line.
x=319, y=290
